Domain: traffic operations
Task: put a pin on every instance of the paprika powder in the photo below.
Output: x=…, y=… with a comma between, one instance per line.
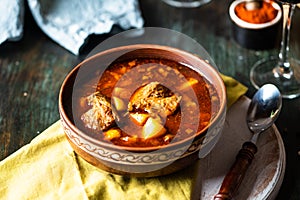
x=260, y=15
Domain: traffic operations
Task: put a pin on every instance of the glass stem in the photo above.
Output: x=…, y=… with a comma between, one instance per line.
x=284, y=64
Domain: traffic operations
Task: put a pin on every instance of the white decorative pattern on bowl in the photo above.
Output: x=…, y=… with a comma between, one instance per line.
x=158, y=157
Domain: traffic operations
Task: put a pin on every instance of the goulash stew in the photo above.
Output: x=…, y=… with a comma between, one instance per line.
x=147, y=102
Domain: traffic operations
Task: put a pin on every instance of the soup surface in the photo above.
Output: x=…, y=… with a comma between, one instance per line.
x=146, y=102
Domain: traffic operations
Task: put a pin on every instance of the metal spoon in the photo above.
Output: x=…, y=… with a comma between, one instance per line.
x=262, y=112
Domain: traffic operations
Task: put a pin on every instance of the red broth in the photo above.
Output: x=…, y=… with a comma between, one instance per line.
x=198, y=104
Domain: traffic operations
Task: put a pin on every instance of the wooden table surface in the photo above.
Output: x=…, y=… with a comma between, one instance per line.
x=32, y=70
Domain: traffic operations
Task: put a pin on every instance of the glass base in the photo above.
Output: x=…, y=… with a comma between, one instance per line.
x=268, y=71
x=186, y=3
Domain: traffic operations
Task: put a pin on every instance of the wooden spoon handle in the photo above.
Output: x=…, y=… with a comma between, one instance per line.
x=237, y=172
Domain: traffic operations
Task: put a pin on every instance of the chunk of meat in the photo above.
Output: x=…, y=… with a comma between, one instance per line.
x=100, y=116
x=154, y=98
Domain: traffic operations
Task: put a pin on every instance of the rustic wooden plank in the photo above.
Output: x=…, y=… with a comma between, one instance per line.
x=32, y=71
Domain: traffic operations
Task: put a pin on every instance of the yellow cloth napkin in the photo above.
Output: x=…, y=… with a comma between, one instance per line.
x=234, y=89
x=48, y=168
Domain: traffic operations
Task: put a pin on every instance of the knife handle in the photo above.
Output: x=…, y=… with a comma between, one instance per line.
x=237, y=172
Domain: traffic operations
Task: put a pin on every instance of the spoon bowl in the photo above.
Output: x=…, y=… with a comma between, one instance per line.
x=264, y=108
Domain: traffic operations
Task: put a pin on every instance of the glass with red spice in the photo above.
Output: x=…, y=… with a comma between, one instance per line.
x=265, y=12
x=255, y=27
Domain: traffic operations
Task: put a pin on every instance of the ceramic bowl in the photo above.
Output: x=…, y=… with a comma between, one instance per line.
x=141, y=161
x=256, y=36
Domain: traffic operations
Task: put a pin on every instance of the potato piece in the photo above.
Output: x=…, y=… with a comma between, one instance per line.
x=119, y=103
x=153, y=129
x=168, y=138
x=136, y=96
x=121, y=92
x=189, y=83
x=129, y=139
x=82, y=102
x=139, y=118
x=112, y=134
x=189, y=131
x=115, y=75
x=132, y=63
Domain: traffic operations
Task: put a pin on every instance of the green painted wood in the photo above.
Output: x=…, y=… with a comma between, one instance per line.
x=31, y=72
